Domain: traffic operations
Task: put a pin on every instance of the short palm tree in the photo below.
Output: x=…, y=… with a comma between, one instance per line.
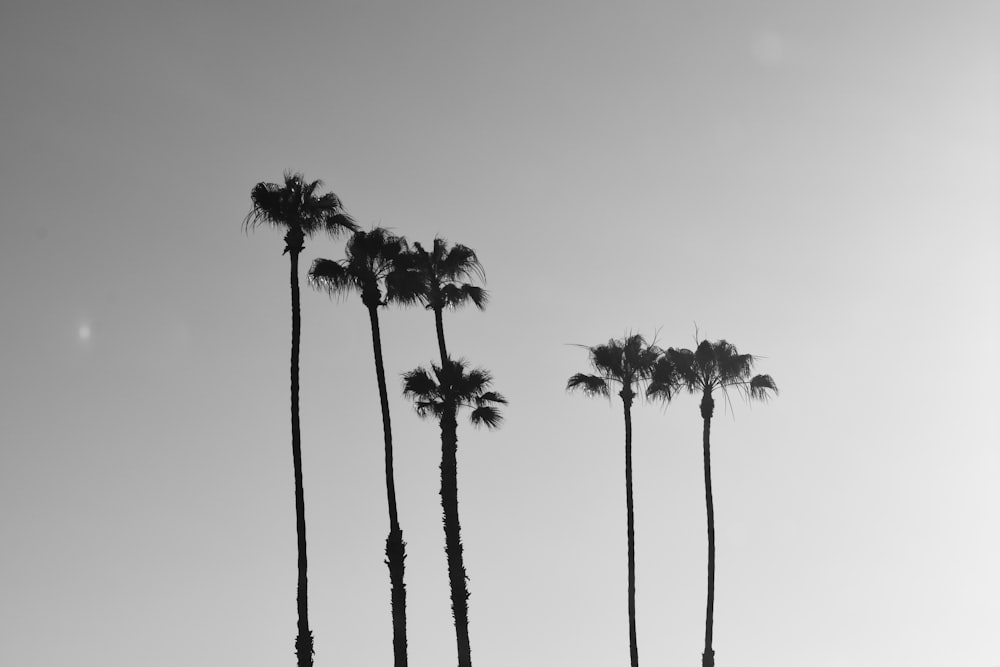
x=709, y=367
x=440, y=393
x=370, y=259
x=624, y=363
x=437, y=280
x=296, y=208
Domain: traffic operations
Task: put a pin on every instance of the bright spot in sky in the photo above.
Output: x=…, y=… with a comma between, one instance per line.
x=84, y=332
x=767, y=48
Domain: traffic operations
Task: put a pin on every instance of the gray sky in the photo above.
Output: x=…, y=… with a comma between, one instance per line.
x=816, y=182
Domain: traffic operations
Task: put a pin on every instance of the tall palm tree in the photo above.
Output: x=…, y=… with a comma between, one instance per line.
x=711, y=366
x=371, y=257
x=625, y=363
x=301, y=212
x=436, y=278
x=440, y=393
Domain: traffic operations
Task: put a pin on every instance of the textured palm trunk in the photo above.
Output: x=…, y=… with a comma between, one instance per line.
x=453, y=535
x=707, y=407
x=304, y=640
x=395, y=547
x=626, y=395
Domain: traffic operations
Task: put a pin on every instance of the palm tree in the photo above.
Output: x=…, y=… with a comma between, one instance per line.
x=370, y=259
x=625, y=363
x=436, y=279
x=711, y=366
x=440, y=393
x=296, y=208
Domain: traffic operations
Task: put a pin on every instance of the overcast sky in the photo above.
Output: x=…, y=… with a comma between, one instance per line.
x=816, y=182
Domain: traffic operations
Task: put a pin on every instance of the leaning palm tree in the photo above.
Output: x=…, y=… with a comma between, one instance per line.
x=709, y=367
x=301, y=212
x=370, y=259
x=437, y=280
x=626, y=363
x=440, y=393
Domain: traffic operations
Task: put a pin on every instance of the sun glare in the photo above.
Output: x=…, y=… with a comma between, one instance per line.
x=83, y=332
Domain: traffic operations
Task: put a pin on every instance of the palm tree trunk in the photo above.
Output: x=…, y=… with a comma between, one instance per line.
x=395, y=547
x=439, y=326
x=707, y=406
x=304, y=640
x=630, y=520
x=453, y=535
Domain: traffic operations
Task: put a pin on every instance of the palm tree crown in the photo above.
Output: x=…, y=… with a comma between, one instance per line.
x=624, y=362
x=454, y=386
x=664, y=380
x=437, y=279
x=296, y=207
x=717, y=365
x=371, y=257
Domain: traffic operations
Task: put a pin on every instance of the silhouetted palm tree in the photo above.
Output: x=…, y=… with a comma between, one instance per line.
x=714, y=366
x=626, y=363
x=370, y=258
x=296, y=208
x=436, y=279
x=440, y=394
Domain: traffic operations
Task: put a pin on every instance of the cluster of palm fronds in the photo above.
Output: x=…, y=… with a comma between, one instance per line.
x=384, y=269
x=631, y=363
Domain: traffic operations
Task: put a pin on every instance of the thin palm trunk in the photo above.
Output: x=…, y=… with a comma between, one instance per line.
x=630, y=520
x=395, y=547
x=707, y=406
x=453, y=535
x=439, y=326
x=304, y=640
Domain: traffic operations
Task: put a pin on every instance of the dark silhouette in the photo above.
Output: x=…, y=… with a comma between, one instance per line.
x=371, y=257
x=625, y=362
x=439, y=394
x=296, y=207
x=435, y=279
x=711, y=366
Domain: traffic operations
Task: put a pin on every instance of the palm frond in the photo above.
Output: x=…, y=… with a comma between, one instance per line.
x=332, y=277
x=704, y=358
x=760, y=387
x=665, y=381
x=405, y=285
x=426, y=409
x=490, y=397
x=454, y=295
x=458, y=262
x=451, y=371
x=639, y=358
x=733, y=366
x=375, y=247
x=473, y=382
x=337, y=224
x=486, y=415
x=608, y=359
x=685, y=368
x=419, y=385
x=268, y=206
x=591, y=385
